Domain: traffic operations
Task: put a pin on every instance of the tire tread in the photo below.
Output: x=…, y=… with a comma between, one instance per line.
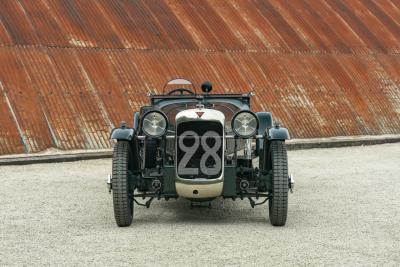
x=120, y=185
x=278, y=204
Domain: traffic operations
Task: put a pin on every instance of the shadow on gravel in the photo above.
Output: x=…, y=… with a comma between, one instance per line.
x=221, y=211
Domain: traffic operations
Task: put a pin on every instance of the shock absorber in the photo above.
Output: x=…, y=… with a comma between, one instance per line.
x=247, y=149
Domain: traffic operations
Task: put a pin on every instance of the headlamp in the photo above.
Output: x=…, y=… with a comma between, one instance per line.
x=154, y=124
x=245, y=124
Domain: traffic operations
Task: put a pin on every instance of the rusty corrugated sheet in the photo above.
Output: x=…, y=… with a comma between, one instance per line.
x=72, y=70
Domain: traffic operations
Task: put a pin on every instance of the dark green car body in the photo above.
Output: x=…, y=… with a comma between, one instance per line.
x=247, y=169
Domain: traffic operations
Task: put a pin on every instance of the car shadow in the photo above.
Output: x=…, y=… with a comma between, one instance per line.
x=222, y=211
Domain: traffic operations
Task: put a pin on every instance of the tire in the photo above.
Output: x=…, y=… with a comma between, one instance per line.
x=121, y=185
x=278, y=203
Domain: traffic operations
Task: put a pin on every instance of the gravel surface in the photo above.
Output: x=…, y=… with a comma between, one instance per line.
x=344, y=211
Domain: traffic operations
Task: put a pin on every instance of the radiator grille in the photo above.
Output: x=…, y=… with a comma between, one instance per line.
x=207, y=149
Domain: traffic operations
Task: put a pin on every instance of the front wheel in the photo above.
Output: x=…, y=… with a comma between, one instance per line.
x=278, y=203
x=121, y=185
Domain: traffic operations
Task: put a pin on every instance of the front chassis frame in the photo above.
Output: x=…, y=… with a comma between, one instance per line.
x=235, y=171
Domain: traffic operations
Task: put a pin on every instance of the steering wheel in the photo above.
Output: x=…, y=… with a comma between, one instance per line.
x=181, y=90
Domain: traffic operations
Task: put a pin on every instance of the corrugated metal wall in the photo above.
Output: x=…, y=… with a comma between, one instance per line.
x=71, y=70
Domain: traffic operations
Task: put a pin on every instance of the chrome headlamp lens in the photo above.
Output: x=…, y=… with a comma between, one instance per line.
x=154, y=124
x=245, y=124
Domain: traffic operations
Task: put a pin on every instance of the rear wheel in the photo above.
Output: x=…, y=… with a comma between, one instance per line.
x=278, y=203
x=121, y=184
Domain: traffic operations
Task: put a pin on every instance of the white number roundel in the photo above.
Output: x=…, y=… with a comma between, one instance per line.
x=209, y=152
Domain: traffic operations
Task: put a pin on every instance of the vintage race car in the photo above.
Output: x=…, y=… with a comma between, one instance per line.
x=199, y=146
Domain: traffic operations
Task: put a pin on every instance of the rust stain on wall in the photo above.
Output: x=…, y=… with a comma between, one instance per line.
x=72, y=70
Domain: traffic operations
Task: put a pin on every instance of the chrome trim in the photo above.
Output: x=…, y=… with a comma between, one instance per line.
x=255, y=117
x=208, y=115
x=166, y=123
x=247, y=149
x=200, y=180
x=291, y=182
x=109, y=183
x=199, y=106
x=203, y=190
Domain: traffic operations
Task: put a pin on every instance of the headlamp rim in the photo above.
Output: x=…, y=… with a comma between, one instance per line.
x=233, y=121
x=166, y=124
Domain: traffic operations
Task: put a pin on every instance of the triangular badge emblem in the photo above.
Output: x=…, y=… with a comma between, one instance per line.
x=199, y=114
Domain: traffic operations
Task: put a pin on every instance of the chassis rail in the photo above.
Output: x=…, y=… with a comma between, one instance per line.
x=155, y=195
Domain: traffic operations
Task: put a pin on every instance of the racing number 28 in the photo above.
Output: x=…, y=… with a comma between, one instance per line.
x=209, y=152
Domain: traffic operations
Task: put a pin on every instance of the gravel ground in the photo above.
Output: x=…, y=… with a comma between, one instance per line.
x=345, y=211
